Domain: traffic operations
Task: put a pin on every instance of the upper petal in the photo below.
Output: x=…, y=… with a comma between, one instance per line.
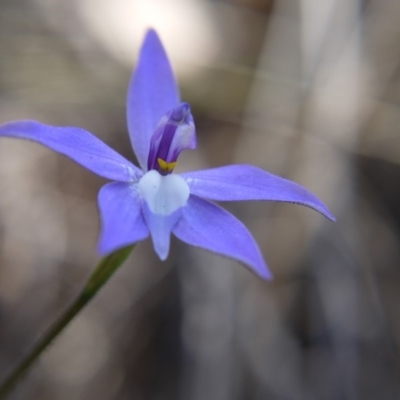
x=122, y=220
x=77, y=144
x=246, y=182
x=152, y=93
x=210, y=227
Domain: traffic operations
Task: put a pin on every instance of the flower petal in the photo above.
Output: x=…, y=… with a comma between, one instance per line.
x=160, y=227
x=122, y=221
x=77, y=144
x=164, y=198
x=246, y=182
x=152, y=93
x=210, y=227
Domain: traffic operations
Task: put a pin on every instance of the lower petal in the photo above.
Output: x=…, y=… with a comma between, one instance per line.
x=163, y=199
x=160, y=227
x=122, y=220
x=206, y=225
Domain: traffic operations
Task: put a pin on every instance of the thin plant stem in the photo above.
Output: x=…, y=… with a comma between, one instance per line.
x=104, y=270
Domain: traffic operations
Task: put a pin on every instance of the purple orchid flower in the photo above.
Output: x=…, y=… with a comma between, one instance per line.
x=153, y=200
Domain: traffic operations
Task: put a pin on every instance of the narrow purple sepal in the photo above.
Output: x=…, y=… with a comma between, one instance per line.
x=160, y=227
x=206, y=225
x=152, y=93
x=122, y=221
x=246, y=182
x=77, y=144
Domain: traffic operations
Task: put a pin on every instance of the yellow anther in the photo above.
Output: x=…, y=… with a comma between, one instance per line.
x=166, y=167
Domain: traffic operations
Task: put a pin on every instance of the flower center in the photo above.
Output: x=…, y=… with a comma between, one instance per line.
x=163, y=194
x=166, y=167
x=175, y=132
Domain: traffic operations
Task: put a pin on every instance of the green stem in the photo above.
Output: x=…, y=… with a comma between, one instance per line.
x=106, y=267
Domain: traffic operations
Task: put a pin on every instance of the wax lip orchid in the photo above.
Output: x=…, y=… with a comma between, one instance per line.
x=152, y=199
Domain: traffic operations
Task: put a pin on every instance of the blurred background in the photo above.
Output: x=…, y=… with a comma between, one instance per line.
x=306, y=89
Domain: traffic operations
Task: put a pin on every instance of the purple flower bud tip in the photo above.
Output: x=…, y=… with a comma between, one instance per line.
x=181, y=114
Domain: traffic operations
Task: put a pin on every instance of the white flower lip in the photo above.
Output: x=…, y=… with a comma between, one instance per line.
x=163, y=194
